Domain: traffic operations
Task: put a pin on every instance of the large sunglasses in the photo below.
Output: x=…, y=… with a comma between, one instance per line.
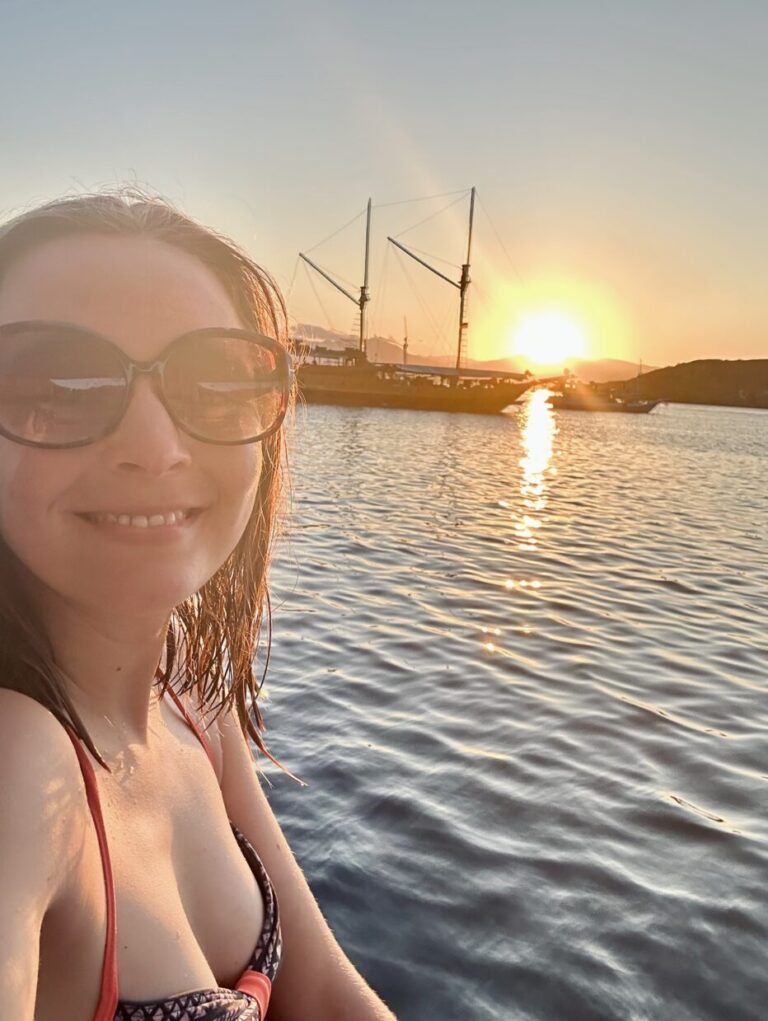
x=65, y=386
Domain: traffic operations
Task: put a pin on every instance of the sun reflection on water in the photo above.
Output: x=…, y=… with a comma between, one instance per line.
x=537, y=432
x=537, y=437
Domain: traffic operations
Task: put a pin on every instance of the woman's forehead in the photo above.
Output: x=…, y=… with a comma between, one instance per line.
x=137, y=291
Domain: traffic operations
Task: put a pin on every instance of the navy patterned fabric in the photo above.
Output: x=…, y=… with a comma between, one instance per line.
x=220, y=1004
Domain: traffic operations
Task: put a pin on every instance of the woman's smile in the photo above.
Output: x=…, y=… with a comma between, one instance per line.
x=148, y=527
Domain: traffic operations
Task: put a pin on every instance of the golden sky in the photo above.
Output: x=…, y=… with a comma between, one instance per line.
x=620, y=159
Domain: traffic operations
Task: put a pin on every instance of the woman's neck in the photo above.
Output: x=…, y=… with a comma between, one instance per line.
x=110, y=663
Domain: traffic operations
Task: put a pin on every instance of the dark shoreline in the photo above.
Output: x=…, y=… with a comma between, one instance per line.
x=717, y=382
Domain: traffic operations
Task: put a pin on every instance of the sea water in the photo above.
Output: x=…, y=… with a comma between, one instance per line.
x=521, y=663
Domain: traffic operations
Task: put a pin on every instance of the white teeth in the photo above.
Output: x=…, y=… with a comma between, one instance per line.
x=141, y=520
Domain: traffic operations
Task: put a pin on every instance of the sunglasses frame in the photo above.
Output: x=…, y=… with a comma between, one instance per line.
x=132, y=369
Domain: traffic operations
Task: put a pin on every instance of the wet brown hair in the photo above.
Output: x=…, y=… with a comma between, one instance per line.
x=219, y=626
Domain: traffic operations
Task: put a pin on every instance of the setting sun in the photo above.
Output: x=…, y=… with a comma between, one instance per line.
x=548, y=337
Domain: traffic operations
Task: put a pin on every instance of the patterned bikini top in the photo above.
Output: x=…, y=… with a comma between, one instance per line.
x=249, y=1000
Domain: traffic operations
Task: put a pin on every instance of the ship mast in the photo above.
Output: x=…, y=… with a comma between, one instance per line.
x=462, y=285
x=364, y=297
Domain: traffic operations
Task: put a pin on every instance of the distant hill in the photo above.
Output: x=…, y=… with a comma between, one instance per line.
x=599, y=371
x=385, y=349
x=307, y=331
x=741, y=383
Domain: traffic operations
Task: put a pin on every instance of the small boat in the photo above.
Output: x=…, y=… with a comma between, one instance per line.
x=329, y=376
x=582, y=398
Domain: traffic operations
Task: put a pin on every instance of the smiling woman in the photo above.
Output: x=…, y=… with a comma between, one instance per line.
x=144, y=382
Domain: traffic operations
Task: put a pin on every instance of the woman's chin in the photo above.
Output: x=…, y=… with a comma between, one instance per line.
x=150, y=598
x=145, y=600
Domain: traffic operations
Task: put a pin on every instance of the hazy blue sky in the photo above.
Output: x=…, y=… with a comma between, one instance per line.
x=619, y=148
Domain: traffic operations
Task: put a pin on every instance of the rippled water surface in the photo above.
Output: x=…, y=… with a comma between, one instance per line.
x=521, y=663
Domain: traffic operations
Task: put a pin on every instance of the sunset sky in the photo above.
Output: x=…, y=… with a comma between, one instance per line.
x=619, y=151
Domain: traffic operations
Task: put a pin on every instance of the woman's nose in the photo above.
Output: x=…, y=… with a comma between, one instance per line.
x=147, y=439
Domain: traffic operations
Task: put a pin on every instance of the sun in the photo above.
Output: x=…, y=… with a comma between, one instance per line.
x=548, y=337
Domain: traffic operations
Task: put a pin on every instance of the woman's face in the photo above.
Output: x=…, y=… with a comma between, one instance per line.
x=140, y=294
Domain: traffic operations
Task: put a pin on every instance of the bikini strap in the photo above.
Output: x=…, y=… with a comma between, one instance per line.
x=108, y=993
x=107, y=1004
x=193, y=726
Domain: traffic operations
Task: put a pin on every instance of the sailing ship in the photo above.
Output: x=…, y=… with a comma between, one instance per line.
x=328, y=376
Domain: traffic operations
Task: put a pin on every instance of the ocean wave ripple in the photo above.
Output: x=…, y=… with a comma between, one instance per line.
x=520, y=663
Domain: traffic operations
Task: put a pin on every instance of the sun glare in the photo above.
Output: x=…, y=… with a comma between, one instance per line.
x=548, y=337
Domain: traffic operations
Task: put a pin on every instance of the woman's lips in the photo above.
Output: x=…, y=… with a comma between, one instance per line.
x=143, y=525
x=141, y=519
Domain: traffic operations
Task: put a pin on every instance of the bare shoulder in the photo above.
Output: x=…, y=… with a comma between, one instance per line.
x=41, y=820
x=42, y=803
x=33, y=743
x=240, y=769
x=236, y=751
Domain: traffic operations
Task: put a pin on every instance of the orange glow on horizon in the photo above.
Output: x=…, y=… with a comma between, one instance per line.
x=564, y=312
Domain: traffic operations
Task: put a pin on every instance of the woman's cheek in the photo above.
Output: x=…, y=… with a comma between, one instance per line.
x=24, y=498
x=241, y=485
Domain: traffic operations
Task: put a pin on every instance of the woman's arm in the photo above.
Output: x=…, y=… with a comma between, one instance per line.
x=316, y=981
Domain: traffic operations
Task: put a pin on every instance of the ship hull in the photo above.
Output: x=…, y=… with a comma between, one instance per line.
x=371, y=388
x=566, y=404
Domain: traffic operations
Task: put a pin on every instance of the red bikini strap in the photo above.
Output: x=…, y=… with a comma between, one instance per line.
x=257, y=985
x=193, y=726
x=107, y=1005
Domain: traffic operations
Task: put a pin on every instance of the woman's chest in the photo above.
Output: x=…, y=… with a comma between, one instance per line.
x=189, y=908
x=186, y=899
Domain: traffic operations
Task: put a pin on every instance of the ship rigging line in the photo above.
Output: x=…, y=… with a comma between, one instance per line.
x=432, y=215
x=424, y=198
x=333, y=273
x=319, y=299
x=425, y=308
x=437, y=258
x=340, y=229
x=377, y=302
x=501, y=243
x=292, y=284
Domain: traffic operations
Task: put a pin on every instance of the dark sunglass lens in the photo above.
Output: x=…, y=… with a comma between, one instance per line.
x=58, y=386
x=224, y=389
